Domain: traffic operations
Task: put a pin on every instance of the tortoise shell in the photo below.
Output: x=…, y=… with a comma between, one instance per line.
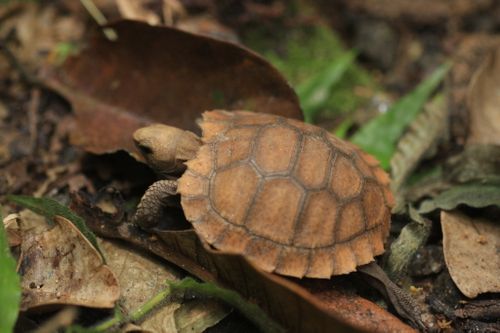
x=290, y=197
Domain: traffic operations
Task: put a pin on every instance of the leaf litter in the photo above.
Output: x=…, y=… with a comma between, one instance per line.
x=471, y=170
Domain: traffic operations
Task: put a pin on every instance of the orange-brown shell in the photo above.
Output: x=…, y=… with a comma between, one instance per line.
x=290, y=197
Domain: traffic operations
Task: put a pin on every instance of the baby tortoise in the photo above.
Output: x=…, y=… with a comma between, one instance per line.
x=290, y=197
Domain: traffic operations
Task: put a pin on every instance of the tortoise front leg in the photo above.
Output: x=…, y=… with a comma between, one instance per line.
x=153, y=201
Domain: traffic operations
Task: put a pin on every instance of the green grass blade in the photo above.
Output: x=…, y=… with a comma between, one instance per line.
x=231, y=297
x=314, y=93
x=10, y=290
x=380, y=135
x=50, y=208
x=341, y=130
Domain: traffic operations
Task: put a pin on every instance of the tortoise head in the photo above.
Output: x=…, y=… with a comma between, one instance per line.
x=166, y=148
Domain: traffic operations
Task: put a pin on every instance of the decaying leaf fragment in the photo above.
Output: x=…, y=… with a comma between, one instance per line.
x=59, y=266
x=470, y=248
x=472, y=195
x=483, y=101
x=421, y=136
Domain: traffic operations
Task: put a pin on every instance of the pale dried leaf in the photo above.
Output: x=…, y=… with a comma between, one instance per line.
x=137, y=10
x=12, y=229
x=142, y=277
x=470, y=248
x=483, y=100
x=60, y=266
x=173, y=9
x=198, y=315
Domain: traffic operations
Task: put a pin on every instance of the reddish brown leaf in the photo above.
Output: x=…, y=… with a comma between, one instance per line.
x=357, y=311
x=160, y=74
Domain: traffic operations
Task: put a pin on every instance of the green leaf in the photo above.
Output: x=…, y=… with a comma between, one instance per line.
x=473, y=195
x=63, y=50
x=343, y=128
x=10, y=290
x=380, y=135
x=314, y=93
x=50, y=208
x=251, y=311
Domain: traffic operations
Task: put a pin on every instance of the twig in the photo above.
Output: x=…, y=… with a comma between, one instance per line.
x=99, y=17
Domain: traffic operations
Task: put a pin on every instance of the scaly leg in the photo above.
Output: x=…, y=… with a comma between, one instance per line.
x=402, y=301
x=153, y=201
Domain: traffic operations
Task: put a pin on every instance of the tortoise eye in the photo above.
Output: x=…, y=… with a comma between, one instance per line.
x=144, y=149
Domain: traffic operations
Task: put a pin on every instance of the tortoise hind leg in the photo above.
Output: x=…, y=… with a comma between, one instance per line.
x=402, y=301
x=156, y=197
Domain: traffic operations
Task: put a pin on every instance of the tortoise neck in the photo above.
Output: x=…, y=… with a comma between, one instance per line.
x=187, y=147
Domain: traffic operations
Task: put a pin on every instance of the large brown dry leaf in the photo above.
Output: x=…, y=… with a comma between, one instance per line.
x=285, y=301
x=59, y=266
x=470, y=248
x=141, y=278
x=484, y=101
x=160, y=74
